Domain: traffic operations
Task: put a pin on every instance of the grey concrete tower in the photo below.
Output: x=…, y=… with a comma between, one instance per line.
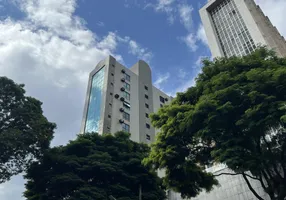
x=237, y=27
x=119, y=99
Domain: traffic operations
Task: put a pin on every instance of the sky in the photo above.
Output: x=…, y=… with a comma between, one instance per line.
x=52, y=45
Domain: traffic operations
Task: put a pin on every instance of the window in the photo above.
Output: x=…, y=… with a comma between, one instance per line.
x=112, y=74
x=148, y=126
x=148, y=137
x=147, y=115
x=126, y=116
x=126, y=95
x=126, y=105
x=95, y=102
x=233, y=35
x=146, y=96
x=127, y=86
x=127, y=77
x=162, y=99
x=125, y=127
x=146, y=105
x=111, y=84
x=146, y=88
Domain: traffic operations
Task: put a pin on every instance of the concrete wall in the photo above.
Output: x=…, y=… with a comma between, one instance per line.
x=232, y=188
x=270, y=34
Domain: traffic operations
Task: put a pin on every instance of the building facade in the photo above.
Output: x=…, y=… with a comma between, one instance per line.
x=119, y=99
x=237, y=27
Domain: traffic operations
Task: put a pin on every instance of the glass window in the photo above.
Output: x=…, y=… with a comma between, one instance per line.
x=231, y=30
x=125, y=127
x=146, y=105
x=126, y=105
x=146, y=96
x=147, y=115
x=127, y=86
x=127, y=77
x=162, y=99
x=148, y=137
x=147, y=125
x=146, y=88
x=95, y=102
x=126, y=95
x=126, y=116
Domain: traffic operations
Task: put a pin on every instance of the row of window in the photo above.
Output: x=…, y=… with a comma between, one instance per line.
x=126, y=128
x=126, y=105
x=232, y=32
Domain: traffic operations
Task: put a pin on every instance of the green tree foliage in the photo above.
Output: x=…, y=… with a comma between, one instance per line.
x=94, y=167
x=235, y=114
x=24, y=132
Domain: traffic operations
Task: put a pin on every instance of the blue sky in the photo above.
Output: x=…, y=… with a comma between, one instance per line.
x=160, y=28
x=52, y=45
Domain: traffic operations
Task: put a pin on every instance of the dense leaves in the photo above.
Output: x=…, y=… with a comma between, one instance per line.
x=94, y=167
x=235, y=114
x=24, y=132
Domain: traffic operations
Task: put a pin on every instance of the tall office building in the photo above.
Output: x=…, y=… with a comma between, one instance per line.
x=119, y=99
x=237, y=27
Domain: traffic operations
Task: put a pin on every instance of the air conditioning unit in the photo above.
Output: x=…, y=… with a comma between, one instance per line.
x=122, y=99
x=121, y=110
x=121, y=121
x=116, y=96
x=123, y=80
x=123, y=71
x=122, y=89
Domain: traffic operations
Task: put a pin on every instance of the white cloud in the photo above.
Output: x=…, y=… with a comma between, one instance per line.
x=165, y=6
x=275, y=10
x=191, y=41
x=162, y=78
x=100, y=23
x=186, y=83
x=199, y=63
x=201, y=35
x=185, y=13
x=182, y=73
x=52, y=52
x=139, y=51
x=109, y=42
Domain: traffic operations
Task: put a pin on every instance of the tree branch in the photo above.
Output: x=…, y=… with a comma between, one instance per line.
x=250, y=187
x=233, y=174
x=269, y=192
x=273, y=162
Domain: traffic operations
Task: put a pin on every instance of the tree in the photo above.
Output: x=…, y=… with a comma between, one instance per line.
x=24, y=131
x=94, y=167
x=235, y=114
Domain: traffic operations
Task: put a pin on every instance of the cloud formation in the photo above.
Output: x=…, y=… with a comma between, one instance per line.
x=52, y=51
x=185, y=13
x=161, y=78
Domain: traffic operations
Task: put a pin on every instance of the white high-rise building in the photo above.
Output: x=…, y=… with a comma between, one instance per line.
x=119, y=99
x=237, y=27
